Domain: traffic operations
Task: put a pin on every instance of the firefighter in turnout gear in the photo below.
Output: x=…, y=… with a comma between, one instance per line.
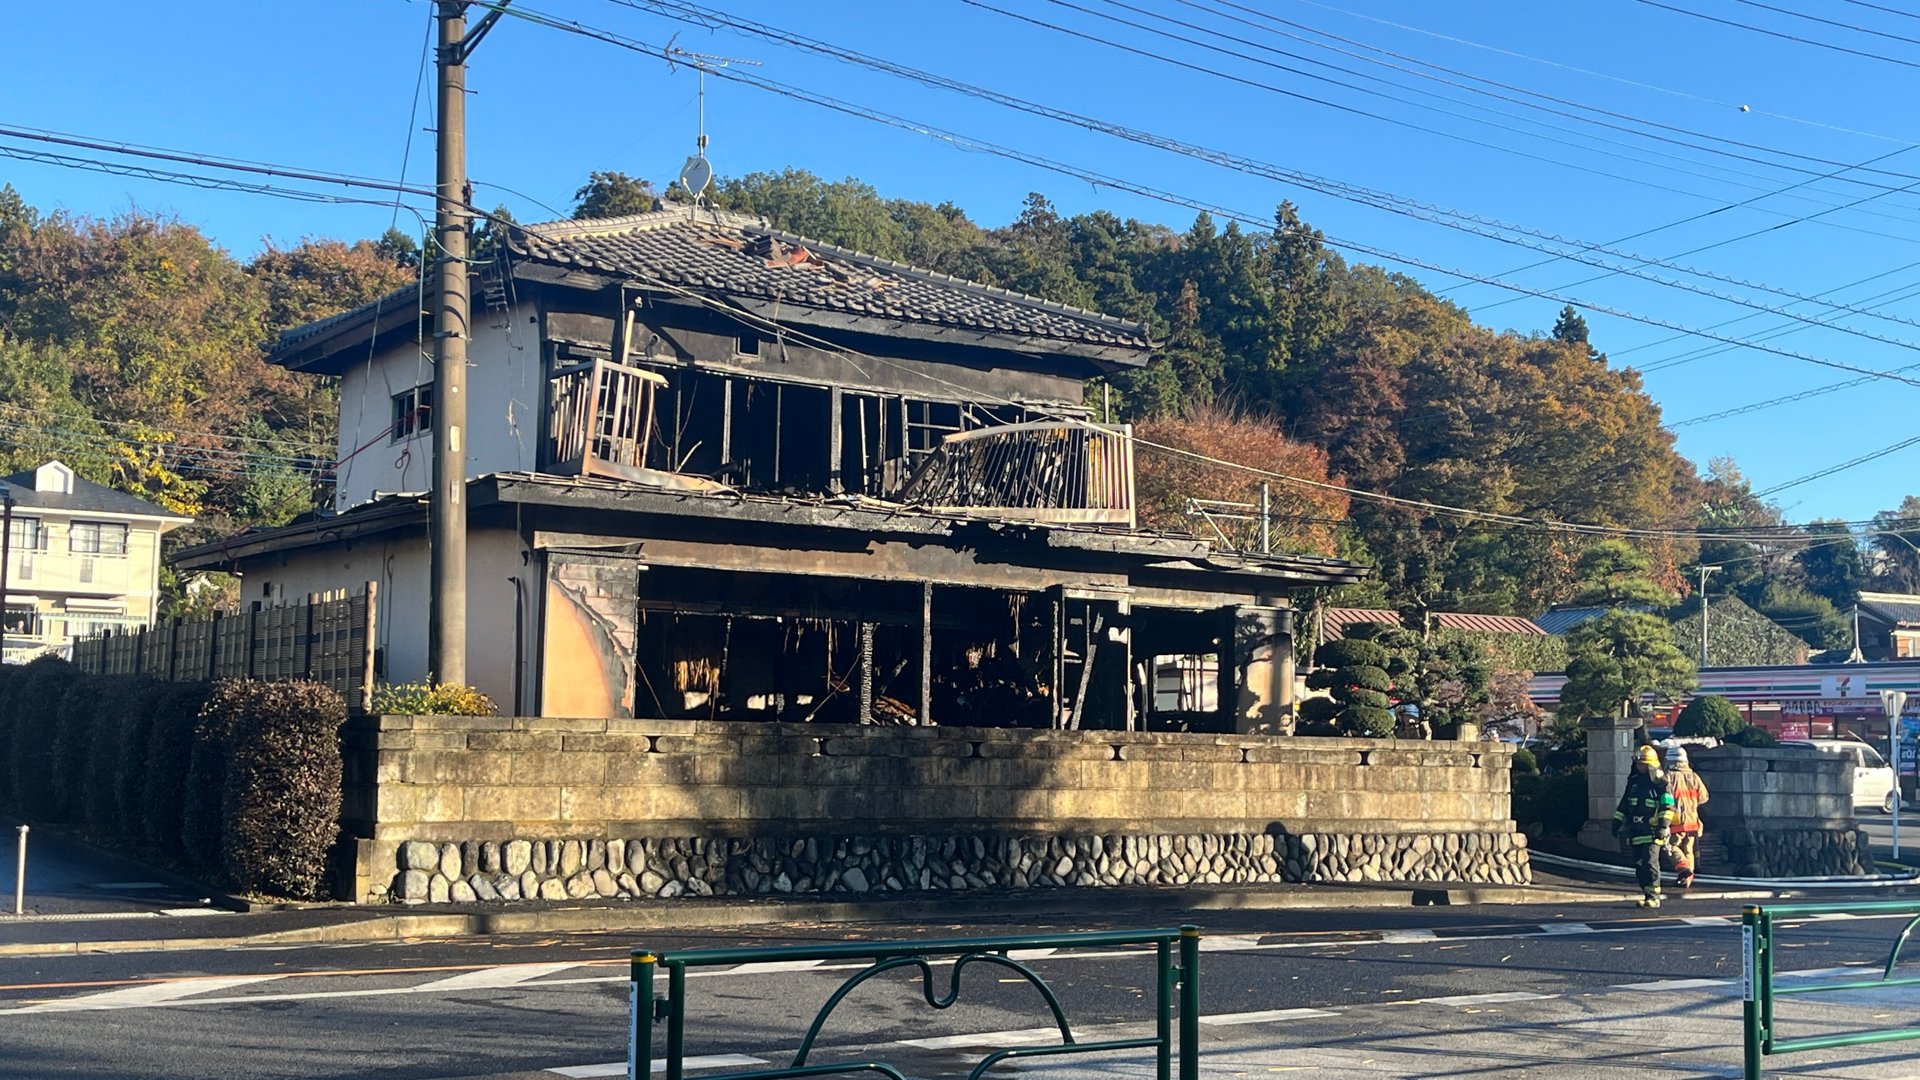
x=1645, y=813
x=1689, y=793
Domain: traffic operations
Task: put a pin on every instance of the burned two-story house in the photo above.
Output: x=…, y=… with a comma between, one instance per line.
x=720, y=471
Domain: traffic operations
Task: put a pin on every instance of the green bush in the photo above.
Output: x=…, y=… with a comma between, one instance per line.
x=130, y=725
x=1709, y=716
x=1556, y=802
x=169, y=755
x=11, y=676
x=36, y=714
x=1524, y=763
x=100, y=807
x=73, y=739
x=1753, y=738
x=432, y=699
x=201, y=824
x=282, y=791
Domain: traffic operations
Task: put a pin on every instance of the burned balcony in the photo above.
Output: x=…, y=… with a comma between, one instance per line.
x=1061, y=472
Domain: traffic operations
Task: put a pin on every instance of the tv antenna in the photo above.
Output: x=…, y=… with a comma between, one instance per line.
x=697, y=174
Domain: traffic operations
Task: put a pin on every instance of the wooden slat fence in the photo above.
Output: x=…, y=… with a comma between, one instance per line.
x=328, y=639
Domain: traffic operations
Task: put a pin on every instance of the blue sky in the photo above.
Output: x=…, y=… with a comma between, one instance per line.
x=1648, y=131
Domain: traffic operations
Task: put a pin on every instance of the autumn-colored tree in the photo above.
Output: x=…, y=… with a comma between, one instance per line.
x=1303, y=516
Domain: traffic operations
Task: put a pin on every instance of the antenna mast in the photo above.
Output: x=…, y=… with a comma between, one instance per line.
x=697, y=174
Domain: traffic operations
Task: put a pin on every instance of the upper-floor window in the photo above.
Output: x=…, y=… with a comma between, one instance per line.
x=97, y=538
x=26, y=534
x=748, y=344
x=412, y=412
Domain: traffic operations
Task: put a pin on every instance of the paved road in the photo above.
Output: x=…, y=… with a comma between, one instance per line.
x=1574, y=992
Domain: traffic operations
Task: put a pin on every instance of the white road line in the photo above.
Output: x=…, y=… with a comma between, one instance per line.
x=494, y=978
x=1673, y=984
x=770, y=966
x=185, y=912
x=146, y=996
x=1483, y=999
x=1567, y=928
x=1406, y=937
x=985, y=1038
x=1707, y=920
x=1267, y=1017
x=1229, y=942
x=1824, y=973
x=1032, y=954
x=619, y=1068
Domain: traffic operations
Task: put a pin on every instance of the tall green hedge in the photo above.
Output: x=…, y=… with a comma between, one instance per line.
x=282, y=799
x=239, y=779
x=73, y=737
x=36, y=724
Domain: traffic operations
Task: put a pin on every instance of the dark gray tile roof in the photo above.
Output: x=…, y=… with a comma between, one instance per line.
x=87, y=498
x=1897, y=609
x=730, y=255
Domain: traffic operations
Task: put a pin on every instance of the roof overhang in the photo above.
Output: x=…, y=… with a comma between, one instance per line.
x=626, y=508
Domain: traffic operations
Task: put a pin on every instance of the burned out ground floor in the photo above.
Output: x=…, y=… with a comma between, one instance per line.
x=592, y=598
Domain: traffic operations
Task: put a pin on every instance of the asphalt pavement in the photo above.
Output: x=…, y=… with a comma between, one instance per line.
x=1595, y=990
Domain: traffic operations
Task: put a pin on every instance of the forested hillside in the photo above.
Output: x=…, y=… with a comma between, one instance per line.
x=132, y=347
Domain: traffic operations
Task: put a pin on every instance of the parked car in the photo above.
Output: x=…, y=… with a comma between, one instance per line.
x=1872, y=776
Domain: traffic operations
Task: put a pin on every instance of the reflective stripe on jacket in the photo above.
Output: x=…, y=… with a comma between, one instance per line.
x=1646, y=807
x=1689, y=792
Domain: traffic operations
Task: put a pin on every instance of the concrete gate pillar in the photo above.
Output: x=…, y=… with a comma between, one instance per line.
x=1610, y=746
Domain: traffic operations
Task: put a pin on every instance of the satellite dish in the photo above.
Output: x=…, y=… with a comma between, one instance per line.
x=696, y=176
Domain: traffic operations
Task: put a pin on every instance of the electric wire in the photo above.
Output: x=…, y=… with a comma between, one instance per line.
x=1780, y=34
x=1473, y=224
x=1095, y=179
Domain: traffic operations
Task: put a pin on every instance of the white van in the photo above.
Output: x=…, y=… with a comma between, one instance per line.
x=1872, y=776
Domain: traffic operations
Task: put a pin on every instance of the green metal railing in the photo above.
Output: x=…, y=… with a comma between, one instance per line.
x=1182, y=978
x=1759, y=992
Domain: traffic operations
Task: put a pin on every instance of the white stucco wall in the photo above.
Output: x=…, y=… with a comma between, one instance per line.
x=504, y=395
x=400, y=568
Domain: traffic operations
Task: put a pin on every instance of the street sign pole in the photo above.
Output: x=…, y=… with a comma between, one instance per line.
x=1894, y=703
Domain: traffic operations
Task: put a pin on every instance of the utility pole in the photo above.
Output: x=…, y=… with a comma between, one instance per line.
x=453, y=217
x=1704, y=571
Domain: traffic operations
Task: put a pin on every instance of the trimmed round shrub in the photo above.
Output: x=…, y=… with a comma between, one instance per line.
x=36, y=720
x=1524, y=763
x=73, y=740
x=1350, y=653
x=1368, y=722
x=1710, y=717
x=1753, y=738
x=173, y=713
x=201, y=824
x=282, y=793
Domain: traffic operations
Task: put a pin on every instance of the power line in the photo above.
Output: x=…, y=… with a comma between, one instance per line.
x=1781, y=34
x=1829, y=22
x=1466, y=222
x=1617, y=78
x=1842, y=467
x=970, y=143
x=1881, y=7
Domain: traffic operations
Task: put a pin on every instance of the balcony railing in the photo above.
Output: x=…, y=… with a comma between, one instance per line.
x=1049, y=471
x=53, y=571
x=601, y=415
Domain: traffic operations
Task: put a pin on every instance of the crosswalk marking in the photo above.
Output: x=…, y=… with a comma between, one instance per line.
x=147, y=996
x=1268, y=1017
x=619, y=1068
x=1483, y=999
x=1674, y=984
x=985, y=1038
x=495, y=978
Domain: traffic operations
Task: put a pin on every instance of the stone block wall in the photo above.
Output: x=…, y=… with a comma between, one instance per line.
x=447, y=806
x=1779, y=813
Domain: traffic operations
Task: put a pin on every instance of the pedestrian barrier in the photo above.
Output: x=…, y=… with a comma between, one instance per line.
x=996, y=952
x=1759, y=991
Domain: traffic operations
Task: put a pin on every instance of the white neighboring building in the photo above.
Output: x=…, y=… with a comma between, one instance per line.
x=81, y=558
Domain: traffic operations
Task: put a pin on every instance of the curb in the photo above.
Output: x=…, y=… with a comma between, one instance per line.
x=410, y=924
